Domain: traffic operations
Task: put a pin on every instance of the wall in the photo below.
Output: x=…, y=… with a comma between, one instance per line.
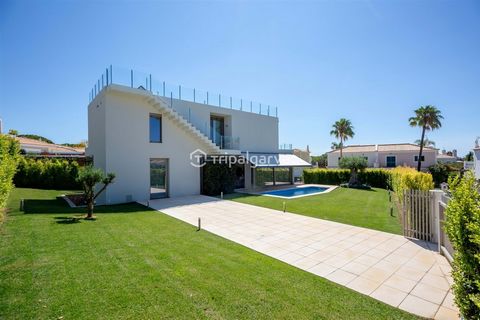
x=476, y=160
x=258, y=133
x=403, y=158
x=119, y=142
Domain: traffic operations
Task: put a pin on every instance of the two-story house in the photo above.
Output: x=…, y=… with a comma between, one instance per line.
x=156, y=144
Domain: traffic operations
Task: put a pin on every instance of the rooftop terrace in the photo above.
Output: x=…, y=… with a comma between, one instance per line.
x=145, y=81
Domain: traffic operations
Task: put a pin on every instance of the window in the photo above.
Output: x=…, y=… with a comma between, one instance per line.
x=155, y=128
x=421, y=159
x=391, y=161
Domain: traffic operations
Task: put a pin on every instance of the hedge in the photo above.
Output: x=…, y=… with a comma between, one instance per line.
x=405, y=178
x=463, y=228
x=47, y=174
x=218, y=178
x=377, y=178
x=9, y=155
x=398, y=179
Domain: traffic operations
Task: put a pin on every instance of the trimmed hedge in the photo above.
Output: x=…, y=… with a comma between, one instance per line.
x=398, y=179
x=9, y=155
x=463, y=228
x=47, y=174
x=377, y=178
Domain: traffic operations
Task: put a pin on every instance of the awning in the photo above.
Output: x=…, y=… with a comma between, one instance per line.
x=275, y=160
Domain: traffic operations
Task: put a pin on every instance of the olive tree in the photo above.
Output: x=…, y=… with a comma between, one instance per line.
x=355, y=165
x=88, y=178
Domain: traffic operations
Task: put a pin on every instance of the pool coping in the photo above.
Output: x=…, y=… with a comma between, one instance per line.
x=329, y=189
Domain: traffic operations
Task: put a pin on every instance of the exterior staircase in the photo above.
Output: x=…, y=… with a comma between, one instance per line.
x=161, y=105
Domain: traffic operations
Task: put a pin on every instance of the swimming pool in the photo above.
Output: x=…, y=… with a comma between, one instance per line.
x=296, y=192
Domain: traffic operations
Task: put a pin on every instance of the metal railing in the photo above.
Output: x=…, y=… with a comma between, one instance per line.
x=226, y=142
x=145, y=81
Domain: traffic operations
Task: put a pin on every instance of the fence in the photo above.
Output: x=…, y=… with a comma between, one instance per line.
x=423, y=218
x=417, y=216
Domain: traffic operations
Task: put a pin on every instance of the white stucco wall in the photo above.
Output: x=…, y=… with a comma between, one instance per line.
x=257, y=133
x=118, y=133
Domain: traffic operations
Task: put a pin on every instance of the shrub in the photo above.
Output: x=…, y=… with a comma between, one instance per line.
x=47, y=174
x=378, y=178
x=440, y=173
x=405, y=178
x=218, y=178
x=463, y=228
x=9, y=155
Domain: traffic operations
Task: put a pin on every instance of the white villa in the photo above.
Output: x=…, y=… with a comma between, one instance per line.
x=157, y=143
x=386, y=155
x=476, y=158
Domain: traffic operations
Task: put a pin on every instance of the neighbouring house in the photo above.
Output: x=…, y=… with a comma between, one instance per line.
x=158, y=142
x=447, y=157
x=41, y=148
x=304, y=155
x=386, y=155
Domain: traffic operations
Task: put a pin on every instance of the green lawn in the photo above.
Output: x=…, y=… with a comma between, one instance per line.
x=134, y=263
x=363, y=208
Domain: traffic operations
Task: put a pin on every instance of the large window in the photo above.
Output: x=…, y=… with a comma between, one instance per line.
x=158, y=178
x=155, y=128
x=391, y=161
x=421, y=159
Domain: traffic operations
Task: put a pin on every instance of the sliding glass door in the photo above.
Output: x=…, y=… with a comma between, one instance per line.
x=158, y=178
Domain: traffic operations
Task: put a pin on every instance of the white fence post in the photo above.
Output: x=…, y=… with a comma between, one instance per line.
x=436, y=196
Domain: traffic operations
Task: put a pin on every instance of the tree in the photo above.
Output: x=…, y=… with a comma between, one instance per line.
x=88, y=178
x=13, y=132
x=321, y=160
x=469, y=156
x=355, y=165
x=428, y=118
x=336, y=145
x=342, y=130
x=426, y=143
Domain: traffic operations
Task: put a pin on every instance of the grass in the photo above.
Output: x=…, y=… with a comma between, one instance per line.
x=135, y=263
x=363, y=208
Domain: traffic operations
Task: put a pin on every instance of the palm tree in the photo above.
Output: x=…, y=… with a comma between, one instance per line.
x=335, y=145
x=342, y=129
x=428, y=118
x=426, y=143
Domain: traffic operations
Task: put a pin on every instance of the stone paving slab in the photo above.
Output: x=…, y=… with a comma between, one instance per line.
x=404, y=273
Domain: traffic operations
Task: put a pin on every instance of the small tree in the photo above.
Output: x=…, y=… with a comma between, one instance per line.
x=355, y=165
x=89, y=177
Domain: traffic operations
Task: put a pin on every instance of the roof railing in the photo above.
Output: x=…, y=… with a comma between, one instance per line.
x=140, y=80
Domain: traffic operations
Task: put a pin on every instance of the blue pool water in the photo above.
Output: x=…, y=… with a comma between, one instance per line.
x=295, y=191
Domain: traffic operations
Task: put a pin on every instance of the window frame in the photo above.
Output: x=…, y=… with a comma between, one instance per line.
x=415, y=158
x=159, y=117
x=386, y=161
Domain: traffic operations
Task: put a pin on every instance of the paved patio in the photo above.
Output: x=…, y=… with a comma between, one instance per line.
x=400, y=272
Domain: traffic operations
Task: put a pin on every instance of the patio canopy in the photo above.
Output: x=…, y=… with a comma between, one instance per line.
x=270, y=160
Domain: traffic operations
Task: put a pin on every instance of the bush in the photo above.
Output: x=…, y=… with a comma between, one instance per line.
x=378, y=178
x=463, y=228
x=47, y=174
x=405, y=178
x=440, y=173
x=9, y=155
x=218, y=178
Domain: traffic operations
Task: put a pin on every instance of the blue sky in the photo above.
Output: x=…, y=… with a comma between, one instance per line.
x=372, y=62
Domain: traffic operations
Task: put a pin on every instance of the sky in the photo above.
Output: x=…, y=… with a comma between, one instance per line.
x=372, y=62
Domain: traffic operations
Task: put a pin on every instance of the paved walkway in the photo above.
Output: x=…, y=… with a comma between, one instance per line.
x=384, y=266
